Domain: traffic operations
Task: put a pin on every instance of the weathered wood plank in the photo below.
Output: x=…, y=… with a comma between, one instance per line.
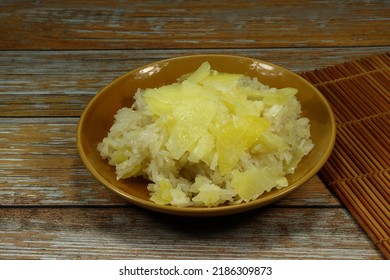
x=39, y=165
x=132, y=233
x=61, y=83
x=56, y=55
x=192, y=24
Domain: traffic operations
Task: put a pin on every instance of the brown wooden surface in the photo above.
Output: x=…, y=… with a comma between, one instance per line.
x=54, y=57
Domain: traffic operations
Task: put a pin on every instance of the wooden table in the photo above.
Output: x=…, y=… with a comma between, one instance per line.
x=54, y=57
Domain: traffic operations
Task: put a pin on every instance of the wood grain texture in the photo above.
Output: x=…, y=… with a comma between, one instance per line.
x=56, y=55
x=40, y=165
x=61, y=83
x=192, y=24
x=131, y=233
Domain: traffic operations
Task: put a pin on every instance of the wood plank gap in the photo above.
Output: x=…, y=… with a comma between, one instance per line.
x=129, y=205
x=356, y=48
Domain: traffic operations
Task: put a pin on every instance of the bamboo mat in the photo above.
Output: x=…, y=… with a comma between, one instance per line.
x=358, y=169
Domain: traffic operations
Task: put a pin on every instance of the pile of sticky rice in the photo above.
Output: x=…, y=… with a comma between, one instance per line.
x=211, y=138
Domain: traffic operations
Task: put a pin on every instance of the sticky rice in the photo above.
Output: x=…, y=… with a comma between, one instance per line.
x=210, y=138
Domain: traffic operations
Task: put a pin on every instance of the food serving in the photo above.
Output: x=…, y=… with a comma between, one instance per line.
x=211, y=138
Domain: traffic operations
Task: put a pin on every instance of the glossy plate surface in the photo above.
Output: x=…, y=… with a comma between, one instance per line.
x=97, y=119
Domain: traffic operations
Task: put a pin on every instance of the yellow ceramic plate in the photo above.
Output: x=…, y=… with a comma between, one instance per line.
x=97, y=119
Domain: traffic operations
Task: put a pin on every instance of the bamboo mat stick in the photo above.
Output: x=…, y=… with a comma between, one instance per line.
x=358, y=169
